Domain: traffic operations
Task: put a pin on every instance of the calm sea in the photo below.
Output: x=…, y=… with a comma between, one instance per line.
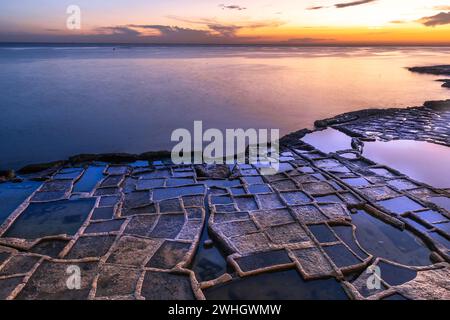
x=60, y=101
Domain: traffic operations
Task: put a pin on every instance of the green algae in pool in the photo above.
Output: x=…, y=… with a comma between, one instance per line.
x=13, y=194
x=50, y=219
x=283, y=285
x=89, y=179
x=385, y=241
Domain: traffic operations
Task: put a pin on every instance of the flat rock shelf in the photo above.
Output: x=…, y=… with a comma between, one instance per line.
x=154, y=230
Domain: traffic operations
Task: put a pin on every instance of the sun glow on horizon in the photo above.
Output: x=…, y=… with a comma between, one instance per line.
x=241, y=21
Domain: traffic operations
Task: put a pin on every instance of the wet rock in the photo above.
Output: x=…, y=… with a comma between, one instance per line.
x=264, y=222
x=166, y=286
x=263, y=260
x=208, y=244
x=175, y=192
x=137, y=199
x=338, y=120
x=293, y=138
x=436, y=70
x=117, y=281
x=251, y=242
x=169, y=254
x=346, y=235
x=361, y=283
x=309, y=214
x=8, y=285
x=322, y=233
x=334, y=211
x=171, y=206
x=295, y=198
x=3, y=256
x=148, y=184
x=112, y=181
x=168, y=226
x=148, y=209
x=49, y=282
x=428, y=285
x=193, y=201
x=68, y=173
x=267, y=218
x=270, y=201
x=236, y=228
x=313, y=263
x=191, y=230
x=342, y=256
x=109, y=201
x=155, y=155
x=50, y=219
x=246, y=203
x=194, y=213
x=287, y=234
x=106, y=191
x=7, y=174
x=106, y=213
x=49, y=196
x=117, y=170
x=215, y=172
x=91, y=247
x=19, y=264
x=57, y=185
x=400, y=205
x=395, y=275
x=379, y=193
x=284, y=185
x=51, y=248
x=133, y=251
x=318, y=188
x=104, y=226
x=84, y=158
x=35, y=168
x=402, y=184
x=141, y=225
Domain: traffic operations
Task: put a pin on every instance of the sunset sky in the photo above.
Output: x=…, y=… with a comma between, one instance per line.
x=302, y=22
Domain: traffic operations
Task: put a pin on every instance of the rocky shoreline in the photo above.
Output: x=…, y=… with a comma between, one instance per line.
x=154, y=230
x=442, y=70
x=138, y=227
x=336, y=122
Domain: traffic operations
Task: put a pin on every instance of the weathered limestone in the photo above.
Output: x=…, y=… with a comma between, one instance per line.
x=134, y=229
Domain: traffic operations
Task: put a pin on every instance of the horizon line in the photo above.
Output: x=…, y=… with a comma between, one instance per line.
x=274, y=44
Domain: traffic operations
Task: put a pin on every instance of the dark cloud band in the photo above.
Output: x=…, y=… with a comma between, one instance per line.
x=436, y=20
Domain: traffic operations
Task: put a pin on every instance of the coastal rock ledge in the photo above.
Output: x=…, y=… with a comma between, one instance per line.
x=148, y=229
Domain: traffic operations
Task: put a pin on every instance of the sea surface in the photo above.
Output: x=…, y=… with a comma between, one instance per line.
x=57, y=101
